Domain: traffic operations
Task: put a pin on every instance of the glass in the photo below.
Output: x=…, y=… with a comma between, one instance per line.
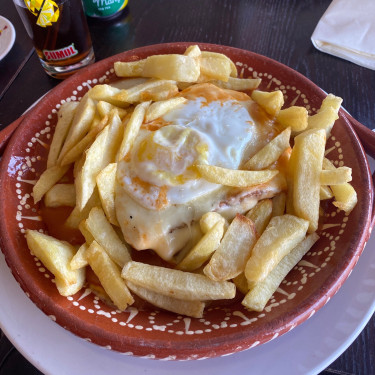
x=60, y=34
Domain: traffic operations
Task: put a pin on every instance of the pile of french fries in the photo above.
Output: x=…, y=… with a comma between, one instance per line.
x=252, y=254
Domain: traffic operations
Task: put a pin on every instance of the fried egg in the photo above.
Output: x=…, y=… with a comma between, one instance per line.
x=160, y=191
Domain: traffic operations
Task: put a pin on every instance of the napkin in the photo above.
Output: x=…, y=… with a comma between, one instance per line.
x=347, y=30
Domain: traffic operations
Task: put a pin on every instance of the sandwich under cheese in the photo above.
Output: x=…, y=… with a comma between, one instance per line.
x=160, y=194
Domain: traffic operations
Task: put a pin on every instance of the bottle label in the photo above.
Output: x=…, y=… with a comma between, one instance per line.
x=60, y=54
x=103, y=8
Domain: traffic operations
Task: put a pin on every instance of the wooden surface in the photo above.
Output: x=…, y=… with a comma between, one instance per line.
x=277, y=29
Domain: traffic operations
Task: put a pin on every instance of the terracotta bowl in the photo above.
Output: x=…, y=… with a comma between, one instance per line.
x=153, y=333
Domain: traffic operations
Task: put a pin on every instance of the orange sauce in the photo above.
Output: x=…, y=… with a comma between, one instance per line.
x=144, y=188
x=162, y=200
x=55, y=218
x=155, y=124
x=91, y=277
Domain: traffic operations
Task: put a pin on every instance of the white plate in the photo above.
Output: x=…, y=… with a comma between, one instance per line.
x=307, y=349
x=7, y=36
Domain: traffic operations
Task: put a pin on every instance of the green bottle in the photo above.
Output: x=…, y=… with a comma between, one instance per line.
x=103, y=8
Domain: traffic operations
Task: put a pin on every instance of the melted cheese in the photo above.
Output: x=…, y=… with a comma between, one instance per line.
x=167, y=231
x=159, y=193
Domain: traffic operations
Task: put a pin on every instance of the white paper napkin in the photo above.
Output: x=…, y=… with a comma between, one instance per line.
x=347, y=30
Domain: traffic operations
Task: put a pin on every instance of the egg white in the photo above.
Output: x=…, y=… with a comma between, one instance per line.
x=197, y=132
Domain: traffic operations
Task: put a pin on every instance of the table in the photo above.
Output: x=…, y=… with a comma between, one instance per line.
x=279, y=30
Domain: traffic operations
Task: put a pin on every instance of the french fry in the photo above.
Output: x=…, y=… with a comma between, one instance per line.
x=230, y=258
x=260, y=215
x=76, y=151
x=209, y=219
x=195, y=236
x=308, y=150
x=214, y=67
x=238, y=84
x=327, y=114
x=71, y=289
x=79, y=259
x=294, y=117
x=167, y=91
x=78, y=215
x=331, y=101
x=65, y=118
x=257, y=298
x=159, y=109
x=325, y=193
x=103, y=232
x=176, y=283
x=178, y=306
x=324, y=119
x=291, y=167
x=337, y=176
x=175, y=67
x=282, y=234
x=270, y=153
x=345, y=195
x=96, y=120
x=132, y=129
x=271, y=102
x=106, y=182
x=209, y=54
x=48, y=179
x=77, y=166
x=105, y=108
x=56, y=256
x=103, y=92
x=153, y=89
x=60, y=195
x=81, y=123
x=85, y=232
x=101, y=153
x=109, y=276
x=203, y=249
x=240, y=282
x=107, y=94
x=127, y=83
x=278, y=204
x=233, y=177
x=129, y=69
x=193, y=51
